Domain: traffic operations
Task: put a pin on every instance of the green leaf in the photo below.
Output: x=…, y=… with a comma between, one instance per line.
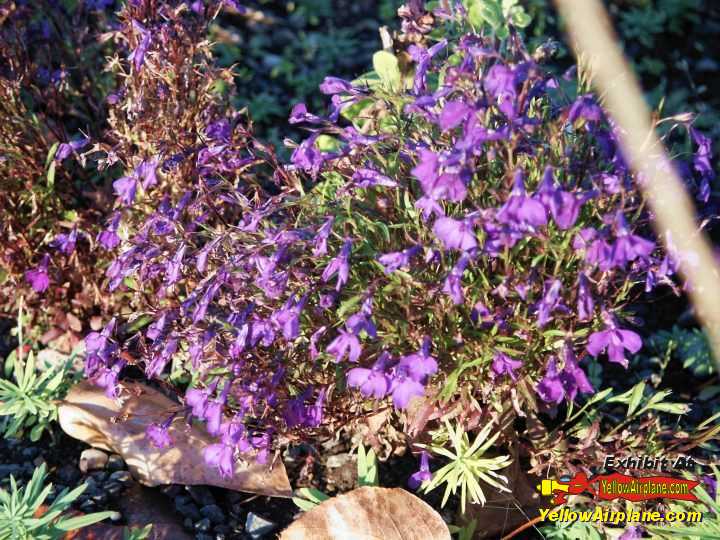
x=50, y=177
x=308, y=498
x=367, y=467
x=388, y=69
x=83, y=521
x=486, y=12
x=635, y=398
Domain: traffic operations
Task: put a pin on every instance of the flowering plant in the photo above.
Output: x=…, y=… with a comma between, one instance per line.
x=52, y=87
x=461, y=228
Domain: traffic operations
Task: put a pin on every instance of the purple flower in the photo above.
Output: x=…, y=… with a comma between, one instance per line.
x=702, y=160
x=453, y=282
x=423, y=58
x=420, y=365
x=125, y=187
x=499, y=82
x=147, y=173
x=585, y=107
x=557, y=384
x=455, y=234
x=108, y=238
x=158, y=435
x=65, y=149
x=423, y=474
x=339, y=265
x=320, y=241
x=633, y=532
x=365, y=178
x=221, y=456
x=38, y=277
x=503, y=364
x=300, y=114
x=346, y=343
x=404, y=389
x=372, y=382
x=550, y=301
x=173, y=268
x=213, y=414
x=198, y=400
x=710, y=485
x=334, y=85
x=585, y=302
x=564, y=207
x=616, y=341
x=429, y=207
x=521, y=209
x=453, y=114
x=398, y=259
x=137, y=56
x=287, y=318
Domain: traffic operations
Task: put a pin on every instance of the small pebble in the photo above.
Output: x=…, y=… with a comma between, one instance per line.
x=68, y=474
x=124, y=477
x=200, y=495
x=203, y=525
x=92, y=459
x=115, y=463
x=213, y=513
x=113, y=489
x=258, y=527
x=7, y=470
x=87, y=507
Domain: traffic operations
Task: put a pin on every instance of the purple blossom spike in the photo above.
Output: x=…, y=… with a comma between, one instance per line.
x=616, y=341
x=339, y=265
x=420, y=365
x=398, y=259
x=365, y=178
x=108, y=237
x=346, y=343
x=558, y=384
x=38, y=277
x=455, y=234
x=549, y=302
x=521, y=209
x=585, y=302
x=372, y=382
x=503, y=364
x=423, y=474
x=222, y=457
x=125, y=188
x=158, y=434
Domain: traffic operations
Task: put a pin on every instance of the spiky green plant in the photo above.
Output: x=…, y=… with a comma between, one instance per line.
x=19, y=506
x=467, y=464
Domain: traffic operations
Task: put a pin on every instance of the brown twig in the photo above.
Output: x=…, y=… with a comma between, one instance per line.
x=523, y=527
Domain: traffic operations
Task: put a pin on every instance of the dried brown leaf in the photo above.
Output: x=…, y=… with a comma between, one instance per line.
x=370, y=513
x=89, y=415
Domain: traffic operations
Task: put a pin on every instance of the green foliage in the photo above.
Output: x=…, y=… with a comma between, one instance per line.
x=499, y=15
x=690, y=346
x=367, y=467
x=136, y=533
x=708, y=529
x=19, y=506
x=30, y=403
x=466, y=464
x=307, y=498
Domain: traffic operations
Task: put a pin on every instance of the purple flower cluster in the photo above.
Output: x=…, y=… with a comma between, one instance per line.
x=478, y=214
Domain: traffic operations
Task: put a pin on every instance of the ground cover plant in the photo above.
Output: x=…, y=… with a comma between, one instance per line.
x=53, y=87
x=456, y=242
